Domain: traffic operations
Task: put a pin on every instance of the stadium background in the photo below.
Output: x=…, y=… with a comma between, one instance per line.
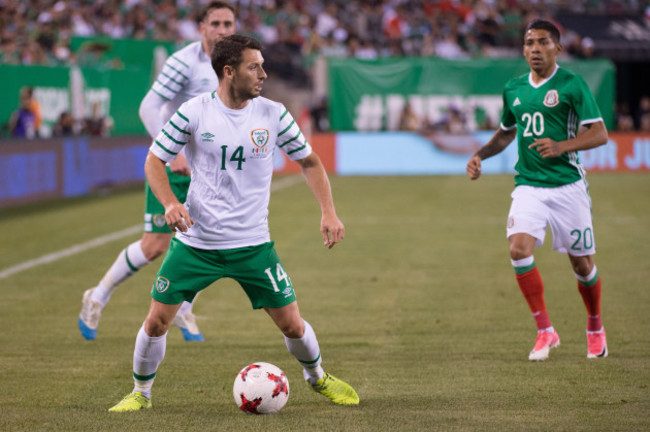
x=417, y=308
x=344, y=69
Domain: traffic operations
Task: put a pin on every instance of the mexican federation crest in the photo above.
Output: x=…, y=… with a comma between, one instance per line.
x=260, y=138
x=551, y=99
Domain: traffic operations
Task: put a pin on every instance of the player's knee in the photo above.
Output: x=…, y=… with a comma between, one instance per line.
x=293, y=330
x=519, y=251
x=155, y=326
x=154, y=248
x=582, y=266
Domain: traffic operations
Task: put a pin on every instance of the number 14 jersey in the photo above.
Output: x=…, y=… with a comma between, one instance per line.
x=230, y=154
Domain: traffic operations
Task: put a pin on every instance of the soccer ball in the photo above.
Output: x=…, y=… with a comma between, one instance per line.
x=261, y=388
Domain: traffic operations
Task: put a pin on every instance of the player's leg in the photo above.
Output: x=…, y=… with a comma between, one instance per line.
x=269, y=287
x=154, y=242
x=589, y=286
x=184, y=272
x=302, y=343
x=135, y=256
x=150, y=345
x=572, y=227
x=526, y=229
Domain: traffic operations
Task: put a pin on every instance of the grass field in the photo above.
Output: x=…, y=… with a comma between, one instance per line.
x=418, y=309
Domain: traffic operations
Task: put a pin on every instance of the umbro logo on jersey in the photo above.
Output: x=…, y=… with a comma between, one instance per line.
x=516, y=102
x=207, y=136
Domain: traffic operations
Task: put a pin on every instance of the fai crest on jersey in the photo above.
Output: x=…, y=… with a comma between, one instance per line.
x=260, y=137
x=551, y=99
x=161, y=284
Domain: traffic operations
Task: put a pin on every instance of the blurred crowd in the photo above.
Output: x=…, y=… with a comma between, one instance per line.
x=296, y=32
x=39, y=31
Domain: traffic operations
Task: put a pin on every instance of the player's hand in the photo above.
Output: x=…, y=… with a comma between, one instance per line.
x=546, y=147
x=474, y=167
x=180, y=166
x=332, y=230
x=177, y=217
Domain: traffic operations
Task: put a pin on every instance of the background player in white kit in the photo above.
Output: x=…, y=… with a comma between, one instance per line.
x=186, y=73
x=229, y=137
x=546, y=108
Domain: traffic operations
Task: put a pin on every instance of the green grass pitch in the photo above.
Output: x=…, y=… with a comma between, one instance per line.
x=418, y=309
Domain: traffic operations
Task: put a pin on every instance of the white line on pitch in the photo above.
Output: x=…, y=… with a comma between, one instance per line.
x=99, y=241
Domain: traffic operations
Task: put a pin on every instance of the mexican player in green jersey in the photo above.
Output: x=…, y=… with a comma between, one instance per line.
x=229, y=137
x=554, y=115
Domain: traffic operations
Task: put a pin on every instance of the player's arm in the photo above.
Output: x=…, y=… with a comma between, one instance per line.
x=150, y=111
x=590, y=135
x=499, y=141
x=176, y=215
x=331, y=226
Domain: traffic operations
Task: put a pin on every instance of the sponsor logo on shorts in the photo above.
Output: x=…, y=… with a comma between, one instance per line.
x=287, y=292
x=511, y=222
x=159, y=220
x=161, y=284
x=551, y=99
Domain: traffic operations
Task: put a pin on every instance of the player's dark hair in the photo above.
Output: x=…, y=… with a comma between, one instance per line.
x=540, y=24
x=216, y=4
x=229, y=52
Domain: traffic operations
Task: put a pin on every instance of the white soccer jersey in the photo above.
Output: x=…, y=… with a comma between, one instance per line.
x=186, y=73
x=230, y=154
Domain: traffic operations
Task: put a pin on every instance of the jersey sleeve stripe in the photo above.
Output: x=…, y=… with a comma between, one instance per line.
x=297, y=150
x=159, y=94
x=591, y=121
x=288, y=127
x=172, y=138
x=170, y=78
x=177, y=71
x=180, y=61
x=284, y=114
x=292, y=139
x=179, y=129
x=165, y=148
x=164, y=86
x=182, y=116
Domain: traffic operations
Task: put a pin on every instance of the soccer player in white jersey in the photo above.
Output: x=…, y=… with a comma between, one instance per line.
x=553, y=114
x=186, y=73
x=229, y=137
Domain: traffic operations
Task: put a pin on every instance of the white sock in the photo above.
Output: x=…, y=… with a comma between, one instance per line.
x=147, y=356
x=128, y=262
x=307, y=352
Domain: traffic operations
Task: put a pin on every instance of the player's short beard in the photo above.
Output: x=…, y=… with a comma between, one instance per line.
x=238, y=93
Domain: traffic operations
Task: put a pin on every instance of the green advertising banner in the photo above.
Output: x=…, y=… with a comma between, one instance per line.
x=113, y=77
x=81, y=91
x=371, y=95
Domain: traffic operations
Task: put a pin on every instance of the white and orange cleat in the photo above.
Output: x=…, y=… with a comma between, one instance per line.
x=543, y=343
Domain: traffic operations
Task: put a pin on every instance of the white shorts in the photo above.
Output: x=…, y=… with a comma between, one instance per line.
x=567, y=209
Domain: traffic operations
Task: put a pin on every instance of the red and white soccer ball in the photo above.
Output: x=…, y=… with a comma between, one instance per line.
x=261, y=388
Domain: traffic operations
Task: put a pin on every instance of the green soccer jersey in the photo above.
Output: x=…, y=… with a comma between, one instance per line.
x=554, y=108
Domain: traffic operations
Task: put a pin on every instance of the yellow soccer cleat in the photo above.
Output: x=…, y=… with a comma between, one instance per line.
x=336, y=390
x=131, y=402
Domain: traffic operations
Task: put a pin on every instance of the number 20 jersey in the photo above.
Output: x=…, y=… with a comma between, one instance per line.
x=554, y=108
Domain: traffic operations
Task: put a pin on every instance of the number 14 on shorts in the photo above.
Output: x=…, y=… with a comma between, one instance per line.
x=280, y=276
